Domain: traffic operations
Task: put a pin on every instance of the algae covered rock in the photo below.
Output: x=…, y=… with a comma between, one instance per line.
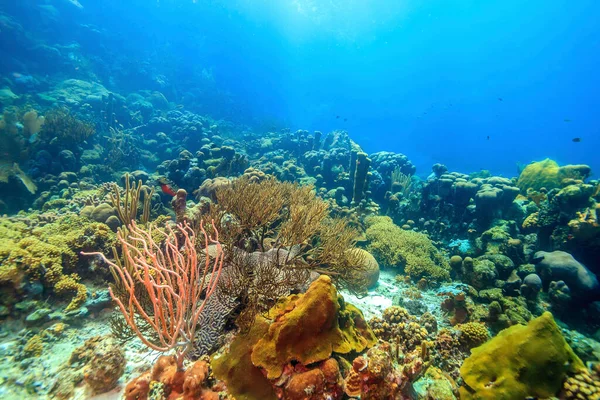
x=522, y=361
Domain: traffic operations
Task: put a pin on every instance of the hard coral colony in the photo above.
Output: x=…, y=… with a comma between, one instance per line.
x=151, y=249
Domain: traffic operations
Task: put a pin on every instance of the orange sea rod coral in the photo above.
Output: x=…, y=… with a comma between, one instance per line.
x=174, y=279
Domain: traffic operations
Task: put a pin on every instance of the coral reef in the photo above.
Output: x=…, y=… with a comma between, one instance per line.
x=298, y=318
x=456, y=272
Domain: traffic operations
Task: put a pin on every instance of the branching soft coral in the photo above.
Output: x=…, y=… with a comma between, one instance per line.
x=255, y=206
x=277, y=233
x=61, y=124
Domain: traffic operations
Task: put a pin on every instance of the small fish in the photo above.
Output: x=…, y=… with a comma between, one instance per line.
x=165, y=187
x=337, y=117
x=566, y=120
x=345, y=119
x=576, y=140
x=500, y=99
x=488, y=138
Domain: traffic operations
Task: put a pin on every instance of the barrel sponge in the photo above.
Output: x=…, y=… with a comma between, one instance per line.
x=547, y=174
x=522, y=361
x=308, y=328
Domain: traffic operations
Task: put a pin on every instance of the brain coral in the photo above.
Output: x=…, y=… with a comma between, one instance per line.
x=414, y=251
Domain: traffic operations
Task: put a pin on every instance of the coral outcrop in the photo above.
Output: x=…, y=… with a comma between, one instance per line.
x=295, y=343
x=410, y=250
x=560, y=265
x=522, y=361
x=308, y=328
x=548, y=175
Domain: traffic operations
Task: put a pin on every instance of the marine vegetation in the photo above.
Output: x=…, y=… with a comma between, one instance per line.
x=164, y=235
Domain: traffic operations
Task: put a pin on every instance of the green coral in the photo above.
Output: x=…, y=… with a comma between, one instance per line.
x=394, y=246
x=547, y=174
x=435, y=384
x=522, y=361
x=495, y=239
x=482, y=274
x=244, y=380
x=507, y=311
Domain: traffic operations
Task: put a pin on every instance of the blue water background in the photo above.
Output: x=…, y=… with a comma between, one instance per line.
x=431, y=79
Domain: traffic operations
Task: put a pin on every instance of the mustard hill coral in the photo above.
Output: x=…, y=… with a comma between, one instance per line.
x=583, y=385
x=411, y=250
x=473, y=334
x=49, y=252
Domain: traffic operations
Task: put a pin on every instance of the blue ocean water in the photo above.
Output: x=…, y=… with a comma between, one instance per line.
x=474, y=85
